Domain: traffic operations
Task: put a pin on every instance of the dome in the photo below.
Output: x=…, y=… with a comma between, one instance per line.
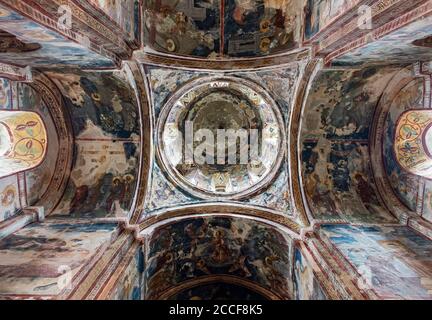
x=221, y=137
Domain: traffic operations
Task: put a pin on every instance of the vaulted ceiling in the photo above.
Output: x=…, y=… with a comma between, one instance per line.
x=115, y=89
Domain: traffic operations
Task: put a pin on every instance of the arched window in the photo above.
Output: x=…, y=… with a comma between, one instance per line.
x=23, y=141
x=413, y=142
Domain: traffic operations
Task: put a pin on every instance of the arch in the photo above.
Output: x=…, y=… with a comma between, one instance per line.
x=23, y=141
x=219, y=279
x=216, y=208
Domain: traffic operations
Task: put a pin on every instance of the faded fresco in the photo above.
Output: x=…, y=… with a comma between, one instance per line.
x=394, y=260
x=105, y=123
x=256, y=28
x=222, y=28
x=405, y=185
x=164, y=82
x=131, y=283
x=27, y=188
x=200, y=247
x=5, y=94
x=218, y=291
x=38, y=179
x=125, y=13
x=306, y=285
x=338, y=180
x=223, y=104
x=184, y=27
x=320, y=13
x=10, y=203
x=427, y=201
x=54, y=49
x=39, y=259
x=407, y=44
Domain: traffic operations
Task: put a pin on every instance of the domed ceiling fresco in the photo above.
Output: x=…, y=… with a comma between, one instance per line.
x=215, y=149
x=221, y=166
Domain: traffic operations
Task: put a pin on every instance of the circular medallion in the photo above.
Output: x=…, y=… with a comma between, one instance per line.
x=221, y=138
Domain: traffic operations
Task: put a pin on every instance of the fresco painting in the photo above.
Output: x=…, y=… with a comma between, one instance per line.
x=337, y=176
x=164, y=82
x=5, y=94
x=35, y=260
x=125, y=13
x=403, y=45
x=222, y=28
x=96, y=204
x=320, y=13
x=105, y=126
x=306, y=285
x=131, y=284
x=23, y=141
x=412, y=142
x=54, y=48
x=407, y=186
x=9, y=197
x=38, y=179
x=187, y=27
x=427, y=201
x=394, y=260
x=21, y=97
x=207, y=246
x=335, y=158
x=256, y=28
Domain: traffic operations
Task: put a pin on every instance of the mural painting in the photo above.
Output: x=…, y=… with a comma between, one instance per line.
x=222, y=28
x=320, y=13
x=54, y=48
x=105, y=123
x=427, y=201
x=394, y=260
x=399, y=46
x=131, y=284
x=306, y=285
x=404, y=184
x=23, y=140
x=5, y=94
x=164, y=83
x=200, y=247
x=413, y=142
x=9, y=197
x=230, y=104
x=38, y=179
x=184, y=27
x=41, y=258
x=335, y=158
x=125, y=13
x=257, y=28
x=36, y=139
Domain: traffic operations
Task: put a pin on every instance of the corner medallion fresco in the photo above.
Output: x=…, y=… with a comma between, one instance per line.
x=23, y=141
x=413, y=142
